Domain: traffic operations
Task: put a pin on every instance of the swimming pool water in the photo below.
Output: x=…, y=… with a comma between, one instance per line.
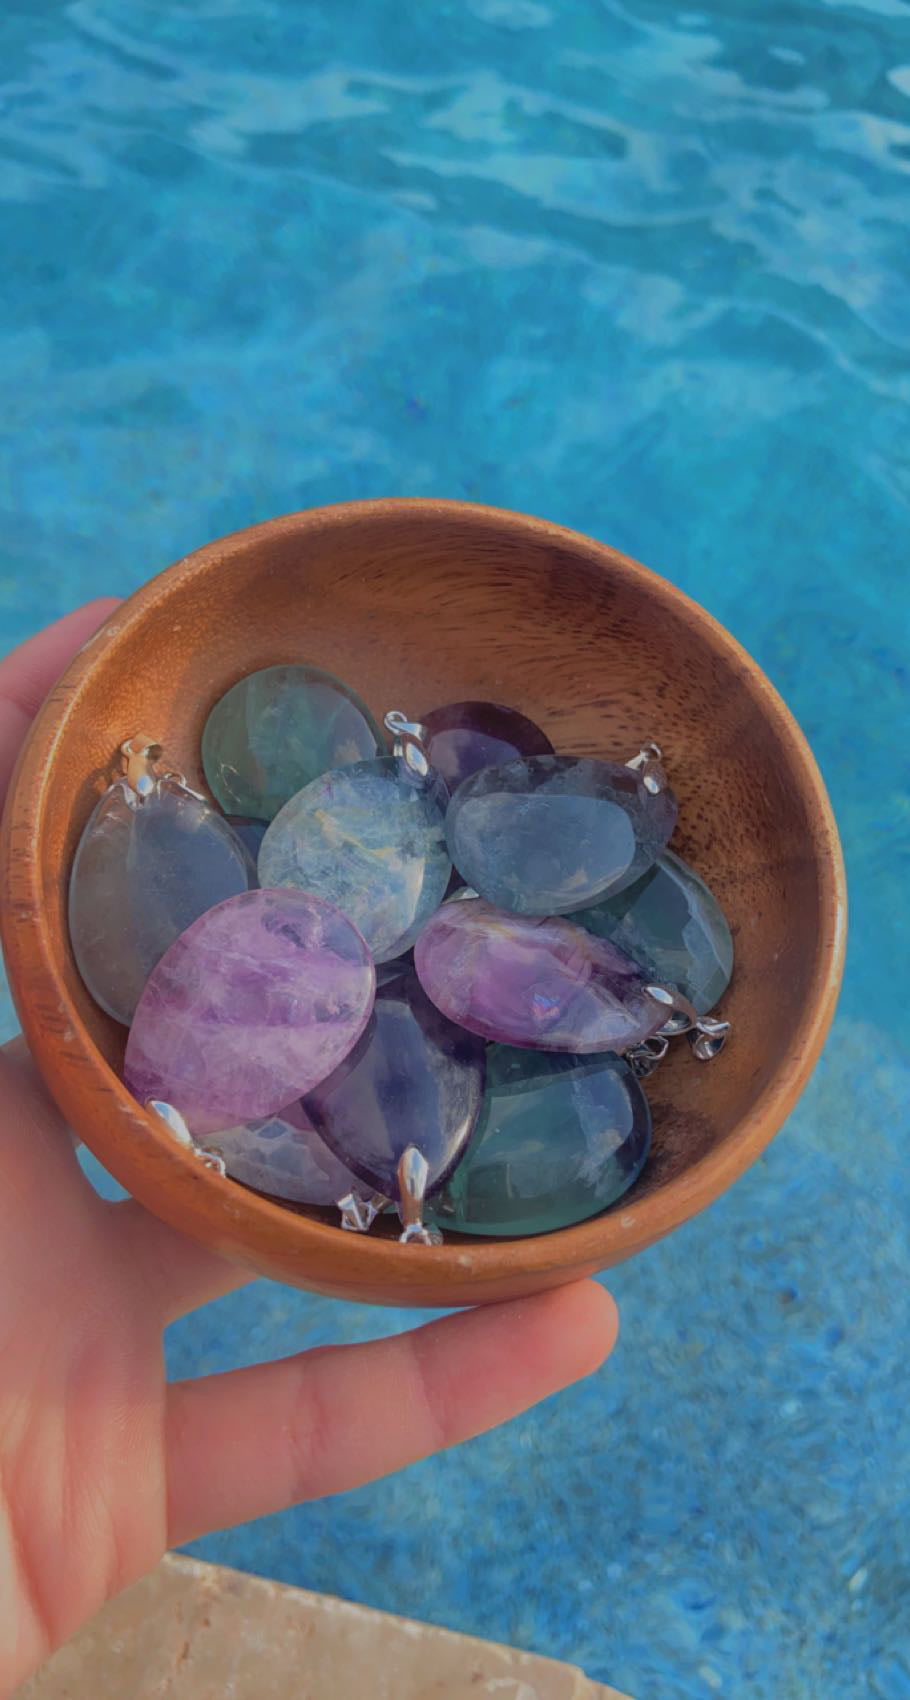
x=643, y=270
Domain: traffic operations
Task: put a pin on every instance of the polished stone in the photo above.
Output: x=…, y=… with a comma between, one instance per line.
x=551, y=834
x=370, y=838
x=250, y=832
x=546, y=984
x=142, y=873
x=463, y=737
x=284, y=1155
x=558, y=1140
x=276, y=730
x=673, y=925
x=414, y=1079
x=251, y=1007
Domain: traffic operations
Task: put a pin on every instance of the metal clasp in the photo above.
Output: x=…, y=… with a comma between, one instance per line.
x=648, y=763
x=410, y=742
x=413, y=1171
x=140, y=754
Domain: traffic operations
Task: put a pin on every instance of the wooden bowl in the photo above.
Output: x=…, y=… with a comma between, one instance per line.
x=416, y=603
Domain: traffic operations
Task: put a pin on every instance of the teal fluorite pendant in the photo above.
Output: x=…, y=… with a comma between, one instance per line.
x=673, y=925
x=278, y=729
x=371, y=839
x=558, y=1140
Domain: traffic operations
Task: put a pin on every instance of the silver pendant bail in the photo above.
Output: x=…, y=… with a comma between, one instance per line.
x=410, y=742
x=413, y=1170
x=358, y=1214
x=649, y=763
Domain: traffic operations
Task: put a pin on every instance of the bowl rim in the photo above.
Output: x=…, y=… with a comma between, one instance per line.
x=245, y=1224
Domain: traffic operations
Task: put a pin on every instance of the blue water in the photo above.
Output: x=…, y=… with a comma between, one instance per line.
x=644, y=271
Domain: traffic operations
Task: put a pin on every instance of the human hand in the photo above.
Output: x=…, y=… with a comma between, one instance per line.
x=103, y=1464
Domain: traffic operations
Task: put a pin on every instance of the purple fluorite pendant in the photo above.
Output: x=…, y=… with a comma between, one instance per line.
x=415, y=1079
x=463, y=737
x=541, y=983
x=252, y=1006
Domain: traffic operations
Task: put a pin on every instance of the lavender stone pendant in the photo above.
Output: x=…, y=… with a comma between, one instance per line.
x=673, y=925
x=369, y=838
x=413, y=1080
x=552, y=834
x=545, y=984
x=276, y=730
x=559, y=1139
x=463, y=737
x=146, y=867
x=251, y=1007
x=284, y=1155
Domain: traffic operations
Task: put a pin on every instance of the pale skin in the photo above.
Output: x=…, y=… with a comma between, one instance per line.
x=103, y=1464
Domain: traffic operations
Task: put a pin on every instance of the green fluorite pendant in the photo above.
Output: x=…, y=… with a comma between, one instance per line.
x=673, y=925
x=278, y=729
x=559, y=1138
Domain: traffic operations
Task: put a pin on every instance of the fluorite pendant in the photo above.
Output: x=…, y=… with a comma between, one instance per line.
x=250, y=832
x=672, y=925
x=146, y=867
x=551, y=834
x=414, y=1079
x=252, y=1006
x=278, y=729
x=463, y=737
x=559, y=1139
x=545, y=984
x=284, y=1155
x=371, y=839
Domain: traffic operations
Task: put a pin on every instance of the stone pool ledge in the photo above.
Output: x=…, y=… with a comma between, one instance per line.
x=194, y=1631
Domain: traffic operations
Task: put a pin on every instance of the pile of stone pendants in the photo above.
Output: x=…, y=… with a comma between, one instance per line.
x=429, y=979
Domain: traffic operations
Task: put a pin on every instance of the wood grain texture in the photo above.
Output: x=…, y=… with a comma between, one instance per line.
x=415, y=603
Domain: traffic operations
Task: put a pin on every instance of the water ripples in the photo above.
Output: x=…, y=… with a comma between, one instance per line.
x=772, y=161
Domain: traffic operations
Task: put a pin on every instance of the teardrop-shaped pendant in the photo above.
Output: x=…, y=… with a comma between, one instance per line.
x=278, y=729
x=252, y=1006
x=546, y=984
x=672, y=924
x=369, y=838
x=552, y=834
x=558, y=1140
x=414, y=1079
x=146, y=867
x=284, y=1155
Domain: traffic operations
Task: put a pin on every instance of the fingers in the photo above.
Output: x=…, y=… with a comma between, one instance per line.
x=33, y=1134
x=28, y=673
x=253, y=1441
x=178, y=1275
x=175, y=1275
x=41, y=1174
